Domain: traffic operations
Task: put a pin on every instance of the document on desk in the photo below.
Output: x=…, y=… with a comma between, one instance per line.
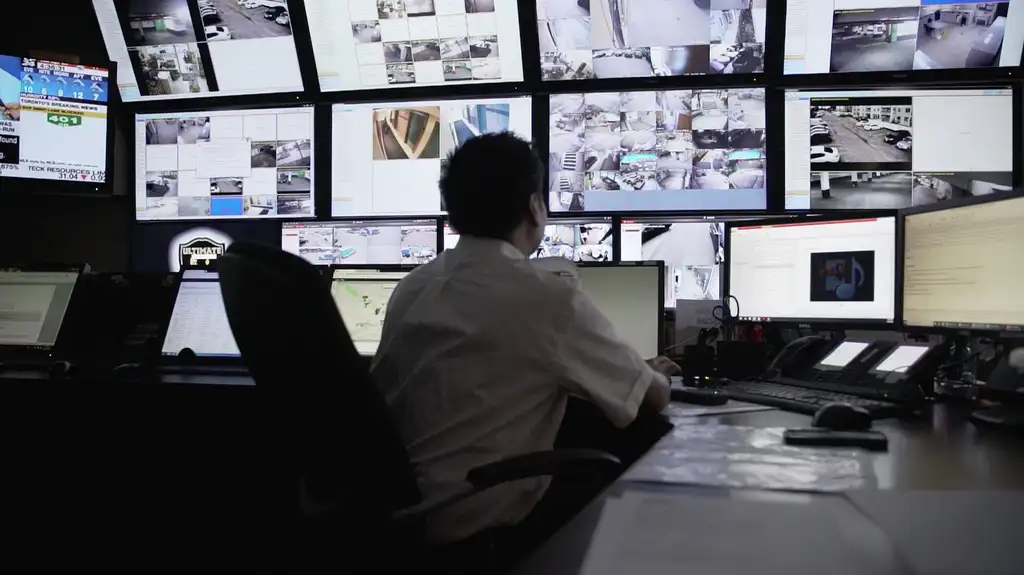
x=678, y=411
x=726, y=532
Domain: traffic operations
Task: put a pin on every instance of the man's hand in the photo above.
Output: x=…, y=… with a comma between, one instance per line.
x=664, y=366
x=12, y=111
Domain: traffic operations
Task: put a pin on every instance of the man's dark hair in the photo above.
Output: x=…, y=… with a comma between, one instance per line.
x=487, y=183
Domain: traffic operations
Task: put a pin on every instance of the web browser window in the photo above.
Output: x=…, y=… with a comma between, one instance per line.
x=33, y=305
x=199, y=321
x=362, y=298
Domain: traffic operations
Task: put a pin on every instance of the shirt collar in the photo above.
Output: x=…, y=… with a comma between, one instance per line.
x=488, y=246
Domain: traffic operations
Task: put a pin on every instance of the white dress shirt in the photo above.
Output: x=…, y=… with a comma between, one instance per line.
x=480, y=350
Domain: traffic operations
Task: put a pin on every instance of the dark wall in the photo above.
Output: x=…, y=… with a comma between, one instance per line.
x=43, y=226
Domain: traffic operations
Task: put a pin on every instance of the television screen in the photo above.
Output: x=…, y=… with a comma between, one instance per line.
x=386, y=158
x=657, y=151
x=581, y=39
x=364, y=44
x=575, y=239
x=53, y=120
x=167, y=49
x=826, y=36
x=370, y=242
x=224, y=164
x=166, y=247
x=888, y=149
x=693, y=251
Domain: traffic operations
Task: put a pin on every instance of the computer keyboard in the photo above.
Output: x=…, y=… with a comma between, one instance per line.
x=803, y=400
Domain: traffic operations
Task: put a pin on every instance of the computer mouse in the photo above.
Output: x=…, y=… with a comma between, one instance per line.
x=61, y=369
x=842, y=417
x=698, y=396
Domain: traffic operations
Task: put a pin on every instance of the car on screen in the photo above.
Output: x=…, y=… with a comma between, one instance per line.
x=896, y=136
x=824, y=154
x=214, y=33
x=274, y=12
x=284, y=19
x=905, y=144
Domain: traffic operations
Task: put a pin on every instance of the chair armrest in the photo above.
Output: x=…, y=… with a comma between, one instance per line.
x=538, y=464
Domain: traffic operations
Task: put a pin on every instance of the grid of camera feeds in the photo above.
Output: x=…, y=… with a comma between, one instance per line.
x=657, y=151
x=693, y=252
x=386, y=158
x=395, y=43
x=225, y=164
x=581, y=39
x=182, y=48
x=870, y=36
x=862, y=147
x=380, y=242
x=569, y=238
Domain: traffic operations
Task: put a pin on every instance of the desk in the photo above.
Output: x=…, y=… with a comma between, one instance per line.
x=941, y=451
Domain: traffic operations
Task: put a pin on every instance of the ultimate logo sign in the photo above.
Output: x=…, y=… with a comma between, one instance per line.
x=200, y=252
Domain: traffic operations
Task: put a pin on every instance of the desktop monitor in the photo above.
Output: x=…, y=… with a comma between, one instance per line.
x=844, y=36
x=612, y=39
x=575, y=239
x=224, y=164
x=362, y=242
x=692, y=249
x=385, y=44
x=180, y=49
x=657, y=151
x=962, y=265
x=836, y=270
x=33, y=305
x=386, y=158
x=168, y=247
x=361, y=294
x=199, y=321
x=54, y=123
x=632, y=296
x=896, y=148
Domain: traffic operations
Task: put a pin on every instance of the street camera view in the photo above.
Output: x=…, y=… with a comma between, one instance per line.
x=582, y=39
x=862, y=133
x=656, y=151
x=188, y=47
x=392, y=242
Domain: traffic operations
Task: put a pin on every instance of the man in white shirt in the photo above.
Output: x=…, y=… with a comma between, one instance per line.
x=482, y=347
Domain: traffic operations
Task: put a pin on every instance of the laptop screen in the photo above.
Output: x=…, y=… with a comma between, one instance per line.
x=33, y=305
x=362, y=297
x=199, y=321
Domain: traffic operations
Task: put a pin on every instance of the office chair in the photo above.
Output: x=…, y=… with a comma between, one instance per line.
x=348, y=492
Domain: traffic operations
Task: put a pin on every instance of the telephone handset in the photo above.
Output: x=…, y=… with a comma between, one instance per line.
x=798, y=355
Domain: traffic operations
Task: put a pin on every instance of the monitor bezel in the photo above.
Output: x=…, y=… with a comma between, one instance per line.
x=15, y=185
x=1016, y=193
x=660, y=266
x=825, y=323
x=42, y=351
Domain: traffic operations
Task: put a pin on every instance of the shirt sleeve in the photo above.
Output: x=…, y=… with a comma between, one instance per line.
x=599, y=366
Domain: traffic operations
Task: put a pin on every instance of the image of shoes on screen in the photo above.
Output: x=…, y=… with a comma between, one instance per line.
x=178, y=49
x=224, y=164
x=896, y=148
x=384, y=44
x=693, y=251
x=581, y=39
x=387, y=157
x=836, y=36
x=657, y=151
x=570, y=238
x=53, y=120
x=373, y=242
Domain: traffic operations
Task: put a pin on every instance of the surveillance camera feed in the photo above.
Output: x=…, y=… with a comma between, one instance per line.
x=363, y=44
x=177, y=49
x=570, y=238
x=836, y=36
x=224, y=164
x=657, y=151
x=374, y=242
x=582, y=39
x=693, y=251
x=890, y=149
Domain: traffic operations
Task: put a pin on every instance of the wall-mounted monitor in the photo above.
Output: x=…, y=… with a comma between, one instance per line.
x=164, y=247
x=693, y=251
x=368, y=242
x=886, y=149
x=177, y=49
x=657, y=151
x=224, y=164
x=386, y=158
x=584, y=39
x=843, y=36
x=576, y=239
x=381, y=44
x=54, y=122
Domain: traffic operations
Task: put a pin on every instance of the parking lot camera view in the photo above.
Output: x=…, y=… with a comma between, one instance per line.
x=224, y=164
x=582, y=39
x=199, y=48
x=362, y=44
x=897, y=35
x=657, y=151
x=383, y=242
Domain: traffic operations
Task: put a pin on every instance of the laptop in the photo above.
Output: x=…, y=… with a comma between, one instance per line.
x=34, y=303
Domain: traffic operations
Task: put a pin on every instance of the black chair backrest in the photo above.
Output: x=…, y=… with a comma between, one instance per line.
x=329, y=416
